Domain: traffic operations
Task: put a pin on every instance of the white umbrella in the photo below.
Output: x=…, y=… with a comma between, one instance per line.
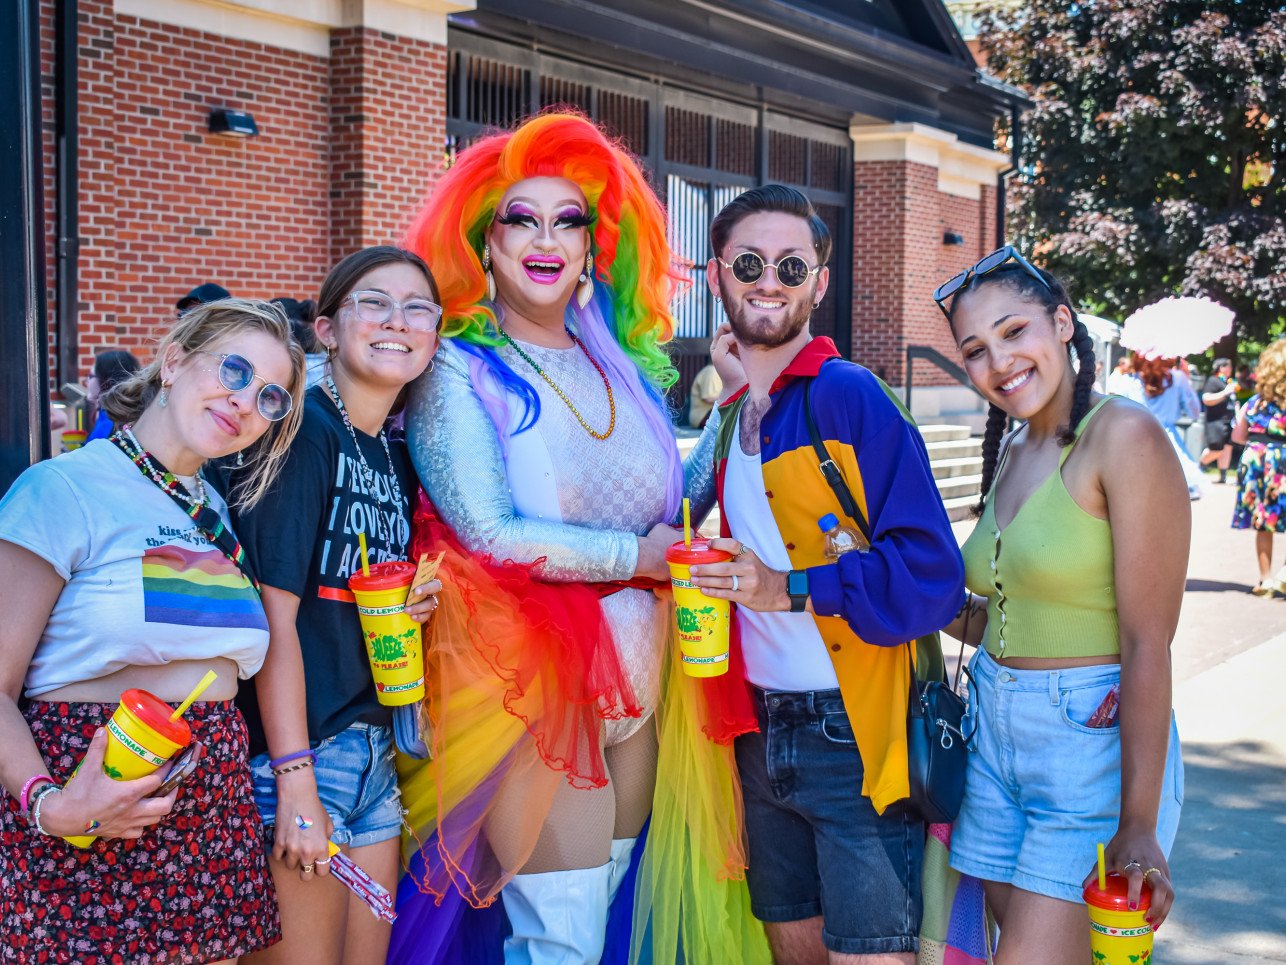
x=1175, y=327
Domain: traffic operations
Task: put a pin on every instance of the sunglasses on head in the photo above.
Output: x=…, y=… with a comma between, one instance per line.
x=748, y=267
x=235, y=373
x=958, y=283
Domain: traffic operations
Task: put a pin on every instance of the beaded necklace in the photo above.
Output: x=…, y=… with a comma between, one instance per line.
x=368, y=474
x=611, y=400
x=206, y=518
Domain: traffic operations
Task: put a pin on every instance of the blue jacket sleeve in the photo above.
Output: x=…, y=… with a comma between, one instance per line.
x=910, y=582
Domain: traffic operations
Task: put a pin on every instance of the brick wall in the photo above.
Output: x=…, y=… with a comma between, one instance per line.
x=899, y=219
x=165, y=205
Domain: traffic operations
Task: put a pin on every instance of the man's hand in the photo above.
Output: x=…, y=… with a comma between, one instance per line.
x=745, y=579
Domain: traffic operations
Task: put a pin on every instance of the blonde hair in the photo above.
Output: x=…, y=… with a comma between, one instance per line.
x=1270, y=375
x=195, y=330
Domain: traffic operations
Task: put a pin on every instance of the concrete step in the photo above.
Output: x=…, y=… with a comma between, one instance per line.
x=944, y=433
x=954, y=449
x=951, y=486
x=963, y=466
x=960, y=507
x=976, y=421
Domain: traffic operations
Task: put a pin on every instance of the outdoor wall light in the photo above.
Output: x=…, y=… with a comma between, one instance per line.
x=232, y=123
x=953, y=238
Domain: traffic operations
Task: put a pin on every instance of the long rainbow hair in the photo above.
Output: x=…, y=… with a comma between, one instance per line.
x=627, y=321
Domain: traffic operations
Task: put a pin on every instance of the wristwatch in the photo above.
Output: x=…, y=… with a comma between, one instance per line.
x=797, y=590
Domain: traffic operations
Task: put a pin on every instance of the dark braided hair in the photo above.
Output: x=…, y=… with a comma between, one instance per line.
x=1025, y=286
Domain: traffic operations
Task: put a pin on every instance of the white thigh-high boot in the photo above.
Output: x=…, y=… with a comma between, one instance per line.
x=622, y=850
x=558, y=918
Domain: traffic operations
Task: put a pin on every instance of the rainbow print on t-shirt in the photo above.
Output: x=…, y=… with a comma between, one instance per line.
x=198, y=589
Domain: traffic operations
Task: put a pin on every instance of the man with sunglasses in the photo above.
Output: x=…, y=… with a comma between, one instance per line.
x=834, y=849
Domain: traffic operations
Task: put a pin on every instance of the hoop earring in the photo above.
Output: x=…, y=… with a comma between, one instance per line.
x=586, y=290
x=486, y=267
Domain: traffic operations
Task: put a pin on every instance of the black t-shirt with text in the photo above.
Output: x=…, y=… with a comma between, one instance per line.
x=302, y=538
x=1221, y=411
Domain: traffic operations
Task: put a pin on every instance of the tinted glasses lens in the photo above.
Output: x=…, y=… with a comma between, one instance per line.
x=792, y=271
x=747, y=267
x=950, y=287
x=235, y=373
x=994, y=260
x=274, y=402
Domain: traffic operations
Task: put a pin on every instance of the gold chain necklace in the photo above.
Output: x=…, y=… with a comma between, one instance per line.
x=611, y=400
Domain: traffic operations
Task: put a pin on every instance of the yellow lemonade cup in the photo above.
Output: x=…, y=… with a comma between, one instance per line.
x=701, y=622
x=74, y=438
x=140, y=738
x=1118, y=936
x=393, y=641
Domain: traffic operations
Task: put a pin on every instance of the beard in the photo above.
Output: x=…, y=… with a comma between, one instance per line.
x=762, y=332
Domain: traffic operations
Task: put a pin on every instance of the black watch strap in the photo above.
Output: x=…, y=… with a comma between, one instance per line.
x=797, y=590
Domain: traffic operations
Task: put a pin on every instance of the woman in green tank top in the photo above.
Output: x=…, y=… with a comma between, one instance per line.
x=1079, y=573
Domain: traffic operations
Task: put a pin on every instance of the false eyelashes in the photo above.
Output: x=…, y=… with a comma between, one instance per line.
x=566, y=220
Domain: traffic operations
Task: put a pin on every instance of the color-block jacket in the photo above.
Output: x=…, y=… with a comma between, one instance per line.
x=867, y=604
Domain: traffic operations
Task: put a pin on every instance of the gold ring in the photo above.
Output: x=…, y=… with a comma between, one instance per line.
x=307, y=869
x=1152, y=871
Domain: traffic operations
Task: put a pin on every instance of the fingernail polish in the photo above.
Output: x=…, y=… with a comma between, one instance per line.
x=1134, y=906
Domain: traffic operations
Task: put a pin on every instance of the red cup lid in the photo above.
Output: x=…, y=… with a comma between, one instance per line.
x=698, y=552
x=155, y=713
x=384, y=576
x=1115, y=897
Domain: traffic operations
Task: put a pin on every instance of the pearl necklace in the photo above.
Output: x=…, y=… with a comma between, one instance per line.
x=165, y=480
x=368, y=474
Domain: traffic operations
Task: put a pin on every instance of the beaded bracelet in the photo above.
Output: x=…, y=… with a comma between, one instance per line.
x=278, y=771
x=37, y=800
x=24, y=802
x=308, y=752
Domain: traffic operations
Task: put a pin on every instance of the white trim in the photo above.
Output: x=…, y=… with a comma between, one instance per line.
x=300, y=25
x=963, y=169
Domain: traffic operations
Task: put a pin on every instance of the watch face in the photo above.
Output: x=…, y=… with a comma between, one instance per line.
x=796, y=583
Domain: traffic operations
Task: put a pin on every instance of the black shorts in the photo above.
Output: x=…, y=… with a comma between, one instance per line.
x=1217, y=435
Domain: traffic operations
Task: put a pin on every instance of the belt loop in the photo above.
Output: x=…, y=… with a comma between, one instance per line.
x=1053, y=687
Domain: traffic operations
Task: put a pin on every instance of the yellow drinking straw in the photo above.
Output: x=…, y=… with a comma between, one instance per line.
x=687, y=523
x=209, y=678
x=1102, y=870
x=80, y=420
x=361, y=542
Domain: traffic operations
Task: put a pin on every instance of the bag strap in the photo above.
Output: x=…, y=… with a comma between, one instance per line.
x=831, y=472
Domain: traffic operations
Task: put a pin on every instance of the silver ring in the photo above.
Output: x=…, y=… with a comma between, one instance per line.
x=736, y=583
x=1132, y=864
x=323, y=861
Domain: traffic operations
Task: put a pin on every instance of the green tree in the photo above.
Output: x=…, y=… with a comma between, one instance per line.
x=1154, y=159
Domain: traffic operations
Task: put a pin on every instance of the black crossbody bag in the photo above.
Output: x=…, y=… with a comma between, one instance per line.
x=936, y=750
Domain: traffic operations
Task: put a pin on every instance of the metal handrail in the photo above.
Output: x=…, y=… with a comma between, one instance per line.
x=930, y=354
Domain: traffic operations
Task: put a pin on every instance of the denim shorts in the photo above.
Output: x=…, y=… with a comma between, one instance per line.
x=817, y=847
x=1042, y=788
x=356, y=781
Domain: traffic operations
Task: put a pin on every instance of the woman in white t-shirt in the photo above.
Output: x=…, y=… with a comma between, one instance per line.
x=118, y=571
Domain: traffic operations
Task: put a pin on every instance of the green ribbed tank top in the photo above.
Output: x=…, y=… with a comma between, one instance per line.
x=1048, y=576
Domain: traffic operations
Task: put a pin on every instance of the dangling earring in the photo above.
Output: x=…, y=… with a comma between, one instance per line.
x=241, y=458
x=486, y=267
x=586, y=290
x=164, y=398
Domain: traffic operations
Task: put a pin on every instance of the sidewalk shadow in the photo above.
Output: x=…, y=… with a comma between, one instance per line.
x=1226, y=861
x=1215, y=586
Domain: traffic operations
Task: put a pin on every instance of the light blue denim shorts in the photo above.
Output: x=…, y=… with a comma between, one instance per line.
x=356, y=781
x=1042, y=788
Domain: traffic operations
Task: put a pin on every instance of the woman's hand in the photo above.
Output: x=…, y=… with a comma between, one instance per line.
x=121, y=808
x=726, y=358
x=745, y=579
x=298, y=847
x=1136, y=856
x=423, y=601
x=652, y=547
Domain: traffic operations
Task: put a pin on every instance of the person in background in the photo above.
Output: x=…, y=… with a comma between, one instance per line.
x=1122, y=380
x=1261, y=473
x=301, y=315
x=118, y=571
x=200, y=295
x=1168, y=394
x=706, y=388
x=1217, y=396
x=1082, y=568
x=110, y=369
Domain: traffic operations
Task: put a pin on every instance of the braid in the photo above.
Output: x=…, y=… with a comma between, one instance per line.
x=1083, y=345
x=997, y=420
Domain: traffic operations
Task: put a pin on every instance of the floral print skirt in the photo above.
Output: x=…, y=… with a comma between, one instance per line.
x=1261, y=485
x=193, y=888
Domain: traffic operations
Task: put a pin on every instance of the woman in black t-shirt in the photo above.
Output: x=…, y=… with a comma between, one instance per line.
x=1219, y=397
x=327, y=773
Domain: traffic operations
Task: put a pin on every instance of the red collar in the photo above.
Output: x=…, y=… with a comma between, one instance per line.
x=804, y=365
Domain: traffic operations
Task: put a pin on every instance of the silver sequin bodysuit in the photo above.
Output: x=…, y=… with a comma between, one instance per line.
x=554, y=491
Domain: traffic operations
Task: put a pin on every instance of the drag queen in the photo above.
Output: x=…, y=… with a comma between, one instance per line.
x=544, y=445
